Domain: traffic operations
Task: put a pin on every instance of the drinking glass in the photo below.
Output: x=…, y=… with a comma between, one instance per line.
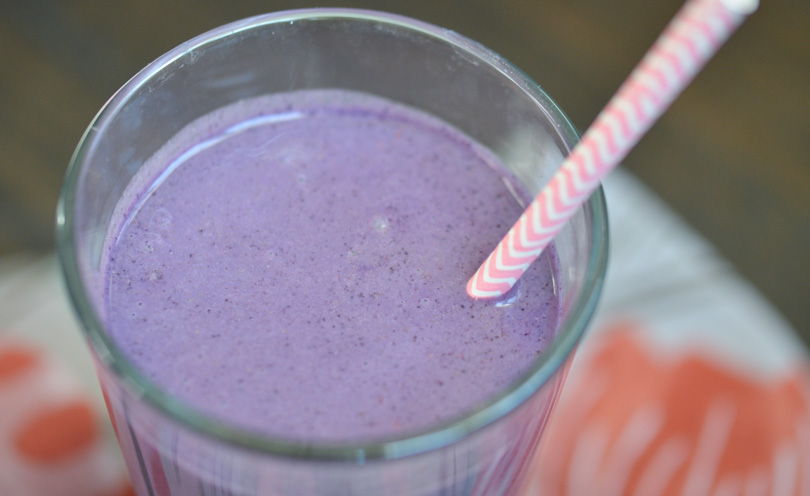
x=171, y=449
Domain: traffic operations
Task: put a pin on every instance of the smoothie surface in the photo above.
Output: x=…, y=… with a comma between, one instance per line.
x=296, y=265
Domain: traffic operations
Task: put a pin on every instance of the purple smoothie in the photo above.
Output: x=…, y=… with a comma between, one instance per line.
x=296, y=265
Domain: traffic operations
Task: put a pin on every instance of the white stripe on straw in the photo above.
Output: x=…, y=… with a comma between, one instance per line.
x=688, y=42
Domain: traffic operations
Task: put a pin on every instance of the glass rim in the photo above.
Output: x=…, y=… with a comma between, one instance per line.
x=429, y=439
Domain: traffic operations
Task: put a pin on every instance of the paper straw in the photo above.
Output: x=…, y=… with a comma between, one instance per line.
x=688, y=42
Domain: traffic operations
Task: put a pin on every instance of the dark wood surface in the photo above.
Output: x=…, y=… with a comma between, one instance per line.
x=731, y=155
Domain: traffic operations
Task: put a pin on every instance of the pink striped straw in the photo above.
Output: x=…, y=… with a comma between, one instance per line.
x=688, y=42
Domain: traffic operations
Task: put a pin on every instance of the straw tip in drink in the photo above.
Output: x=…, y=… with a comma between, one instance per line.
x=477, y=289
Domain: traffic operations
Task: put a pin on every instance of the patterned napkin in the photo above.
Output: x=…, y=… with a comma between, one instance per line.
x=688, y=383
x=52, y=436
x=55, y=436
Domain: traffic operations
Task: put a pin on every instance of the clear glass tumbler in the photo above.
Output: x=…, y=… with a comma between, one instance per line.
x=169, y=448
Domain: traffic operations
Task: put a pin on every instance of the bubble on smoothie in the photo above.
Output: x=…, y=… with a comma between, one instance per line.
x=291, y=156
x=301, y=178
x=161, y=219
x=380, y=224
x=155, y=275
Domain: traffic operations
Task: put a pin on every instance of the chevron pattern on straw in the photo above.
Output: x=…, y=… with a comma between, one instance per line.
x=688, y=42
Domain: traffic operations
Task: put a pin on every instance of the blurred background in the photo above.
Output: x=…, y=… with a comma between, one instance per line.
x=731, y=155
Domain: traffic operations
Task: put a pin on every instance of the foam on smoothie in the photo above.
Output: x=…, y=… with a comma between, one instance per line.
x=296, y=264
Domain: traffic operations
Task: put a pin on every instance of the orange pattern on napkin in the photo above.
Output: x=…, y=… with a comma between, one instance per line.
x=638, y=422
x=56, y=432
x=14, y=362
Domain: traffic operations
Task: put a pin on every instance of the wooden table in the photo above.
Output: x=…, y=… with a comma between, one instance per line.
x=730, y=155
